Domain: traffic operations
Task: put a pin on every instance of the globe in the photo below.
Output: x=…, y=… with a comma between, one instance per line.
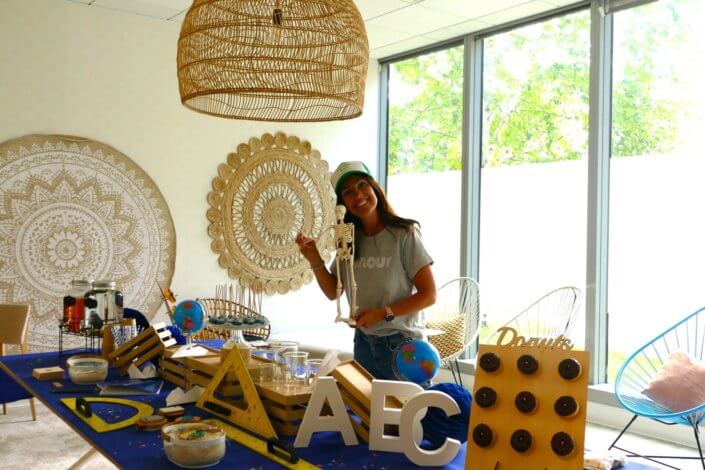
x=416, y=361
x=188, y=316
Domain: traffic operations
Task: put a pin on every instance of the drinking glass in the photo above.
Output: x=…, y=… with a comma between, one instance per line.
x=312, y=366
x=296, y=366
x=264, y=372
x=280, y=348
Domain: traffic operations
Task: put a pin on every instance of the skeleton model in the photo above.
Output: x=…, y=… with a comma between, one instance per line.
x=344, y=235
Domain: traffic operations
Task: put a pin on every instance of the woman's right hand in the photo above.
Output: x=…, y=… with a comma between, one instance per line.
x=307, y=247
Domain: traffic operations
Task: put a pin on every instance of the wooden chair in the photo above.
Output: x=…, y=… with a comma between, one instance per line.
x=13, y=330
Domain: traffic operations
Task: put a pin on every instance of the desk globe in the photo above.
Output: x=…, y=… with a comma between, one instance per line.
x=189, y=316
x=416, y=361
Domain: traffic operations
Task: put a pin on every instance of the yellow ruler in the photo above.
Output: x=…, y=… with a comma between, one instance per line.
x=81, y=408
x=258, y=445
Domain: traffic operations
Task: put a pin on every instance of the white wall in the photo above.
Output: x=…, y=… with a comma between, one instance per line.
x=68, y=68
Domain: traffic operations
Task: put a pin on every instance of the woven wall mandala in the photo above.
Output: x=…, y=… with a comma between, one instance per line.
x=272, y=188
x=73, y=208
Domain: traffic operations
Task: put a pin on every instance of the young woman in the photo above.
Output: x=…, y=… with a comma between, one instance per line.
x=392, y=270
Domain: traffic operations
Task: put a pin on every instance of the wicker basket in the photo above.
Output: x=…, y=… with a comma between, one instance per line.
x=273, y=60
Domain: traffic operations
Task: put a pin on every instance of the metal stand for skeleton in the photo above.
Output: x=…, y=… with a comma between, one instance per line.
x=344, y=234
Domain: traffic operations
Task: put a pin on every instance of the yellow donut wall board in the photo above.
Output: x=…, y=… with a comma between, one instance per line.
x=529, y=408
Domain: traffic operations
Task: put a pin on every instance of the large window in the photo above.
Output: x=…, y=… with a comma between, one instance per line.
x=424, y=151
x=656, y=235
x=534, y=223
x=534, y=165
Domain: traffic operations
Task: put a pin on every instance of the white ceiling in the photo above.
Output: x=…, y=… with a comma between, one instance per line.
x=393, y=26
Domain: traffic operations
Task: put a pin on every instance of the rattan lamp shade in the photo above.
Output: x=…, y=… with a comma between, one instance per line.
x=273, y=60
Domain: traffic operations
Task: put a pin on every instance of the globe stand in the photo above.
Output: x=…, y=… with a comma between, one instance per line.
x=190, y=348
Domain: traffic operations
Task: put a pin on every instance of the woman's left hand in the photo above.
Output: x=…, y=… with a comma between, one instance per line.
x=370, y=317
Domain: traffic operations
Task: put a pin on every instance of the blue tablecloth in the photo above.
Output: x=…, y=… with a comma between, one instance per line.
x=130, y=448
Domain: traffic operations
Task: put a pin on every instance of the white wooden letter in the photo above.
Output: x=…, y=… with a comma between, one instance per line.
x=381, y=415
x=314, y=422
x=426, y=458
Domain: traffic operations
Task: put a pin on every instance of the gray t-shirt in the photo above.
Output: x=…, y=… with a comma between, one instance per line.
x=384, y=270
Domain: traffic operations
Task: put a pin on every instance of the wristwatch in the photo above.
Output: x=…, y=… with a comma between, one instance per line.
x=390, y=315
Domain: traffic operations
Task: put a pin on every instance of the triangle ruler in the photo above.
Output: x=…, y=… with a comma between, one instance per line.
x=252, y=418
x=81, y=408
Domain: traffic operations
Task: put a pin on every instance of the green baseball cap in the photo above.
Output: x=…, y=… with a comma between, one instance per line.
x=346, y=169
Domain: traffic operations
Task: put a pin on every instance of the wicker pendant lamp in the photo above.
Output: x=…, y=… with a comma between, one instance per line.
x=273, y=60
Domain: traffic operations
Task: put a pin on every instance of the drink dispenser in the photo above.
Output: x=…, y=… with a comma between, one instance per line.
x=106, y=301
x=74, y=308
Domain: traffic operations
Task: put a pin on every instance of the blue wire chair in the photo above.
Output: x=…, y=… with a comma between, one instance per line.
x=688, y=335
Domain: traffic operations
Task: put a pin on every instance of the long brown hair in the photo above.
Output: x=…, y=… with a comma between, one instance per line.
x=384, y=209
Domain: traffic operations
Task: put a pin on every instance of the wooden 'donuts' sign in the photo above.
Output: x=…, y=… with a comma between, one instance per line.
x=529, y=405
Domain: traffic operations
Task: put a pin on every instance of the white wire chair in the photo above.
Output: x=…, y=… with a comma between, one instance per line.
x=637, y=372
x=457, y=313
x=550, y=316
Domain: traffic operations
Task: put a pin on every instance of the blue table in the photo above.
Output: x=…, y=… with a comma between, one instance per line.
x=130, y=448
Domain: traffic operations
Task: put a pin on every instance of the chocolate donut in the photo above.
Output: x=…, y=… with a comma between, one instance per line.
x=566, y=406
x=527, y=364
x=525, y=402
x=562, y=444
x=489, y=362
x=482, y=435
x=521, y=440
x=569, y=369
x=485, y=397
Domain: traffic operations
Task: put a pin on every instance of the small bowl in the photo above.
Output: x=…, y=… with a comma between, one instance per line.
x=87, y=369
x=193, y=445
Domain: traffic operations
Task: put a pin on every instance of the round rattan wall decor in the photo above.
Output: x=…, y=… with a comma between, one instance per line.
x=270, y=189
x=74, y=208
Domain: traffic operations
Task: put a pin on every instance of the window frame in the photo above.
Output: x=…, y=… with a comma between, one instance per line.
x=599, y=152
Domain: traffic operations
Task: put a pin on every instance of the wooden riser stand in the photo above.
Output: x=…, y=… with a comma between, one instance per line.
x=285, y=405
x=147, y=345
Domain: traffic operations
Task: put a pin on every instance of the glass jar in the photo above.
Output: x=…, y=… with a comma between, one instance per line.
x=106, y=301
x=74, y=306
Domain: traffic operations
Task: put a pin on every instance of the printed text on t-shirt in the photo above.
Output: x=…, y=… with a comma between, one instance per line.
x=374, y=262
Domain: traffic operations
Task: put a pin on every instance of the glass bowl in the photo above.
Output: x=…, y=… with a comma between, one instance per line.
x=87, y=369
x=193, y=445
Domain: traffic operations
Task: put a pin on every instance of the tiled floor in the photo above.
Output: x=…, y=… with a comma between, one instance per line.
x=51, y=444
